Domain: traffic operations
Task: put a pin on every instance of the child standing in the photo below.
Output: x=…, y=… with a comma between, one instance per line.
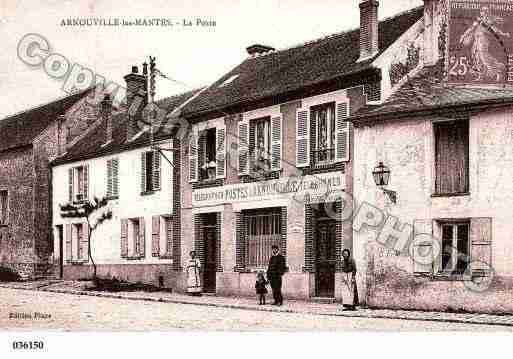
x=260, y=287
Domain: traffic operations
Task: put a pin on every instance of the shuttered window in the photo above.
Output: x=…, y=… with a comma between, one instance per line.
x=260, y=145
x=452, y=157
x=113, y=178
x=78, y=182
x=243, y=147
x=323, y=118
x=461, y=248
x=208, y=154
x=4, y=207
x=455, y=253
x=150, y=171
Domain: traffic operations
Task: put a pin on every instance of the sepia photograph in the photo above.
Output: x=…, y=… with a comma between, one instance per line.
x=336, y=167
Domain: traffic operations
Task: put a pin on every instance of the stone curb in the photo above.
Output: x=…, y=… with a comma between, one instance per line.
x=418, y=317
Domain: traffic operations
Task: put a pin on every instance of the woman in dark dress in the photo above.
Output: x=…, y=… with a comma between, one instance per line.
x=349, y=290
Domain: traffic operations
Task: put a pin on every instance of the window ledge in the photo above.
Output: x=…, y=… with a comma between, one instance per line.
x=134, y=258
x=147, y=193
x=462, y=194
x=112, y=198
x=445, y=277
x=165, y=256
x=76, y=262
x=4, y=225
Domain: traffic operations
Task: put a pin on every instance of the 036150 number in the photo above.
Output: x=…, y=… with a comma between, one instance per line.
x=27, y=345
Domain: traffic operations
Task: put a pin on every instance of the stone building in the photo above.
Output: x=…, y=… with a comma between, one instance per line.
x=28, y=142
x=445, y=137
x=270, y=143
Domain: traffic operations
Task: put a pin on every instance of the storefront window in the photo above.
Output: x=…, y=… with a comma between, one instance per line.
x=263, y=230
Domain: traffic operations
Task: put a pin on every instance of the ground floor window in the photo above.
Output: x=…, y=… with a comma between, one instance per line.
x=263, y=230
x=455, y=247
x=77, y=242
x=4, y=196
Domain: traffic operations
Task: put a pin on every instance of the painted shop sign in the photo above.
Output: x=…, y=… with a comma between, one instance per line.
x=297, y=187
x=480, y=50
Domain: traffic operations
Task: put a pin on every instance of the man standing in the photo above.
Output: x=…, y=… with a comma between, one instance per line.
x=275, y=271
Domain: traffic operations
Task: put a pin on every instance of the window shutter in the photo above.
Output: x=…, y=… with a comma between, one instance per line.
x=243, y=148
x=221, y=152
x=70, y=184
x=109, y=178
x=169, y=236
x=193, y=159
x=342, y=128
x=86, y=182
x=276, y=139
x=155, y=236
x=156, y=170
x=115, y=177
x=85, y=242
x=69, y=237
x=142, y=238
x=422, y=246
x=143, y=172
x=124, y=238
x=302, y=138
x=481, y=246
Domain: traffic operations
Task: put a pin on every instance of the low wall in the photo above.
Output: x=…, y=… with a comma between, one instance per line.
x=391, y=284
x=144, y=273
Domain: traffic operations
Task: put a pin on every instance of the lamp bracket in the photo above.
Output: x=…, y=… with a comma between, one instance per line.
x=392, y=195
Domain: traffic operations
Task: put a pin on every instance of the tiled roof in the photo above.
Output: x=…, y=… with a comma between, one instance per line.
x=292, y=69
x=93, y=144
x=425, y=92
x=21, y=129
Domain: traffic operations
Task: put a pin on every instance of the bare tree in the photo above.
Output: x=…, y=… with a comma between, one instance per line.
x=95, y=213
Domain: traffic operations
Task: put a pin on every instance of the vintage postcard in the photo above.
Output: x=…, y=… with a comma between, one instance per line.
x=264, y=165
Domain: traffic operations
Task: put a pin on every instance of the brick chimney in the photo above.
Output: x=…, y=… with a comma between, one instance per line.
x=61, y=135
x=106, y=114
x=369, y=38
x=136, y=98
x=258, y=49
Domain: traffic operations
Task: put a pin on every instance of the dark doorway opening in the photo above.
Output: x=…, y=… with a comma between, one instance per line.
x=210, y=252
x=60, y=235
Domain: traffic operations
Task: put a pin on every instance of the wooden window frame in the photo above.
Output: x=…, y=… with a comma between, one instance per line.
x=435, y=189
x=455, y=224
x=4, y=207
x=330, y=135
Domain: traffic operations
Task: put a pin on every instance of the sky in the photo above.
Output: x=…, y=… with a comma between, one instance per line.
x=194, y=56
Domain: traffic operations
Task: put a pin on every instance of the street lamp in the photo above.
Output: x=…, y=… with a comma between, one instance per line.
x=381, y=176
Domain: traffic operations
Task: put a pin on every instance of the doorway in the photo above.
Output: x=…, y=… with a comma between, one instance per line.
x=60, y=236
x=325, y=258
x=210, y=252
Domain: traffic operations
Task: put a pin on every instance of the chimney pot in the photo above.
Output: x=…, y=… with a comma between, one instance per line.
x=369, y=37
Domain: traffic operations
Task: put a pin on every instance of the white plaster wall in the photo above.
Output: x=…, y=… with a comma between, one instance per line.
x=105, y=244
x=407, y=147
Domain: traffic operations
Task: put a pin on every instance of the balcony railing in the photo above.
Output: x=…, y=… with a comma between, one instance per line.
x=323, y=157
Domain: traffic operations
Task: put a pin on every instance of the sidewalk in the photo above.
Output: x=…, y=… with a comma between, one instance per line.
x=292, y=306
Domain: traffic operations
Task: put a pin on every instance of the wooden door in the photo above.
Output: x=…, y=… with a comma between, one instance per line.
x=325, y=258
x=210, y=259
